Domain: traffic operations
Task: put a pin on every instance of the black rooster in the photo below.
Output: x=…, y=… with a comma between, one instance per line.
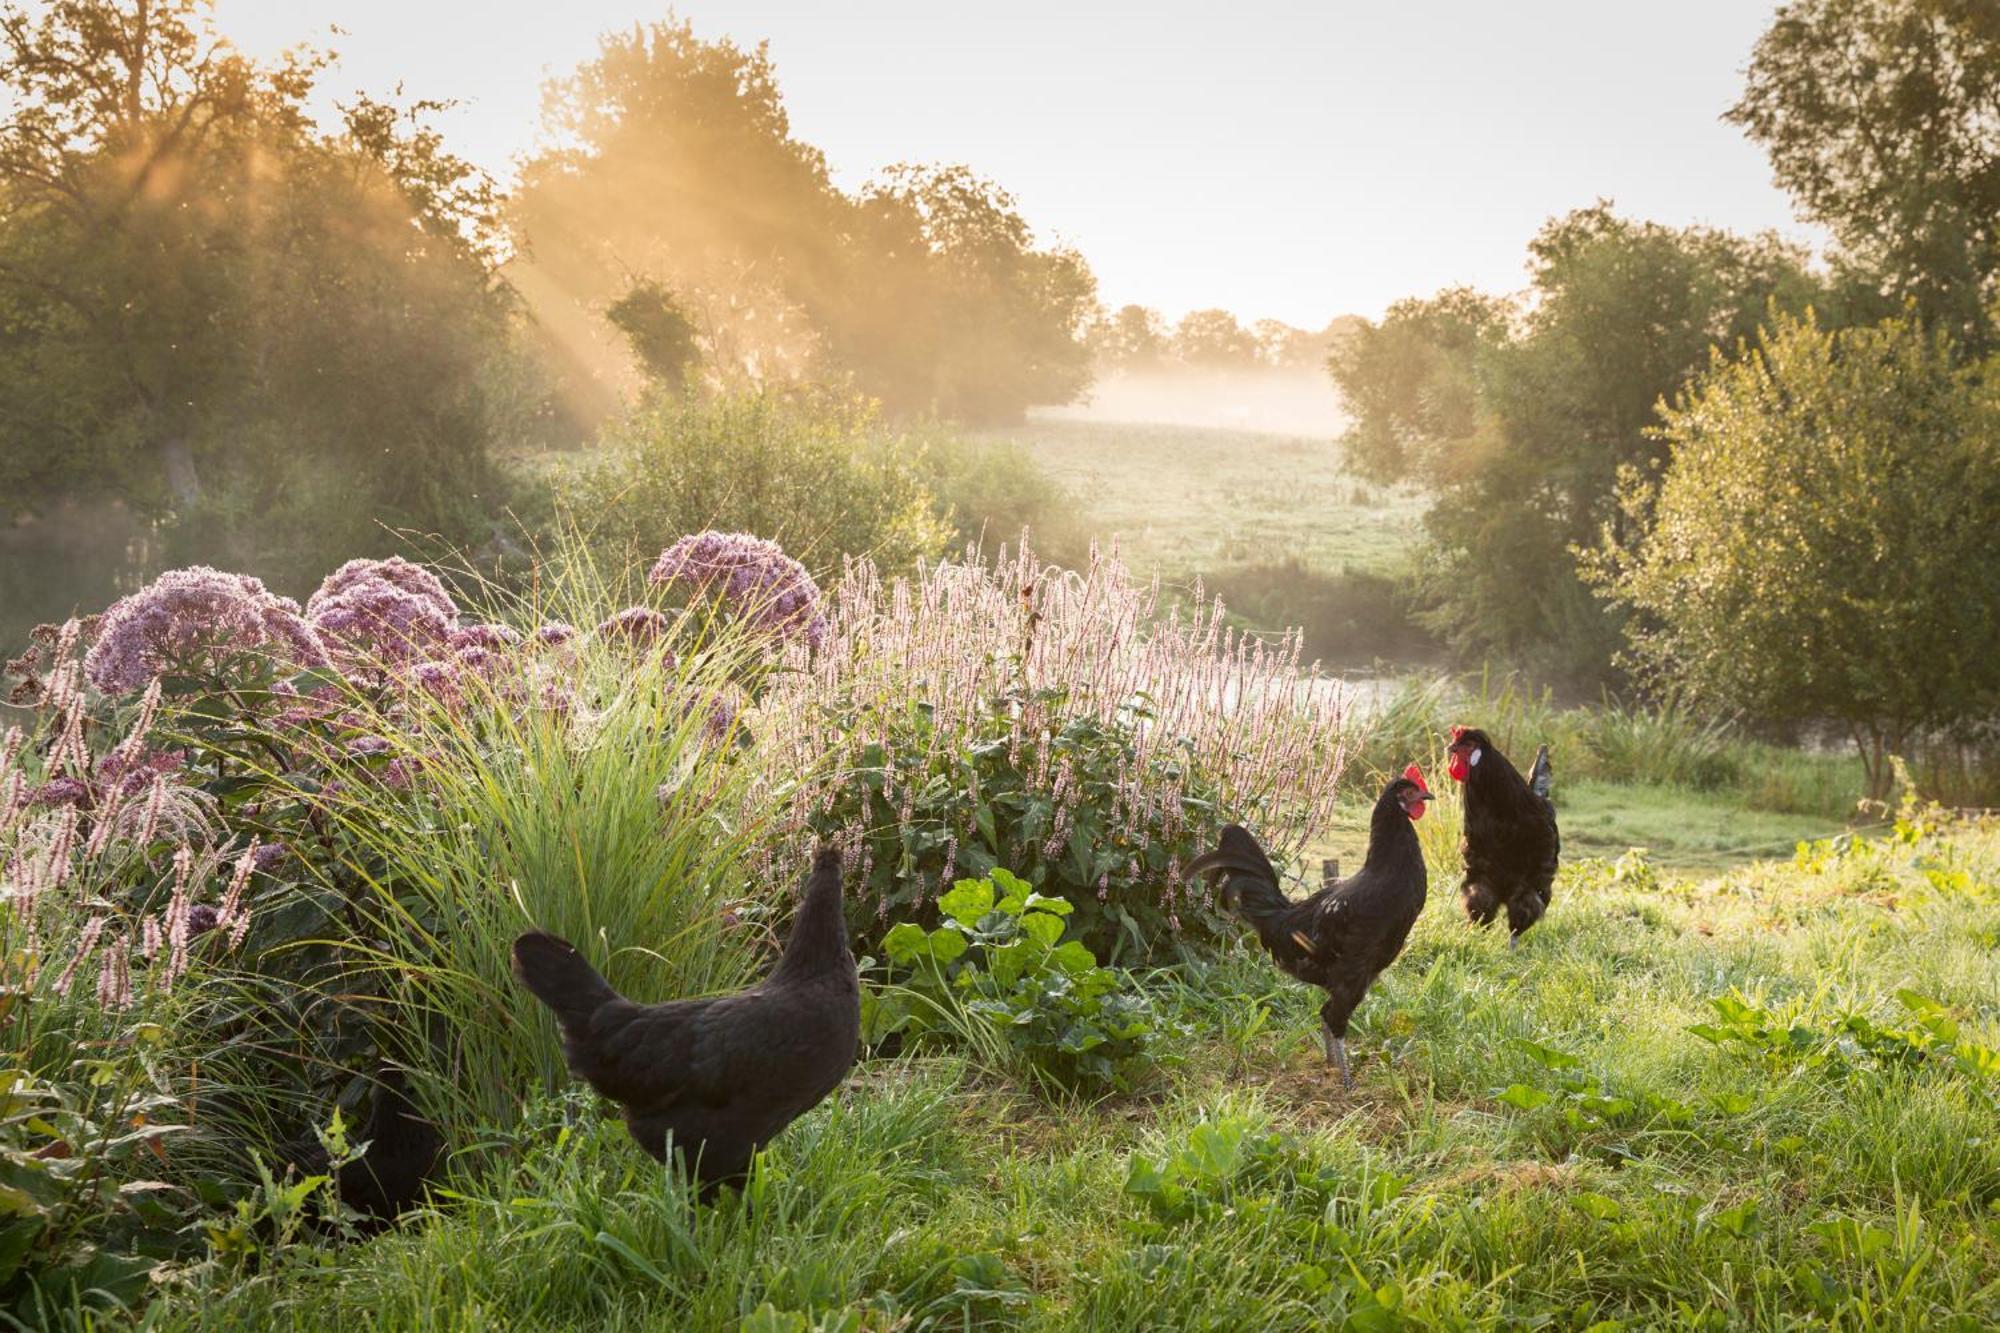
x=1342, y=937
x=1511, y=843
x=723, y=1076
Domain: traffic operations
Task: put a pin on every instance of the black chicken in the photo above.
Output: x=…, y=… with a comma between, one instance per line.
x=725, y=1075
x=402, y=1152
x=1342, y=937
x=1511, y=843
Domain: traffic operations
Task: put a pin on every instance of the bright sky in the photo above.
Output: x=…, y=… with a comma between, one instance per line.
x=1295, y=160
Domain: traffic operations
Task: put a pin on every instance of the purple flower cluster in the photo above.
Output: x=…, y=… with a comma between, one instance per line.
x=131, y=773
x=187, y=615
x=637, y=625
x=490, y=637
x=378, y=611
x=397, y=572
x=555, y=634
x=752, y=577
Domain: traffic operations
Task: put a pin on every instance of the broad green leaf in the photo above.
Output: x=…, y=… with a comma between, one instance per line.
x=968, y=901
x=1042, y=928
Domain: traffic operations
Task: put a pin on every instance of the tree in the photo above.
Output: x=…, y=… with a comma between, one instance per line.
x=952, y=308
x=1409, y=382
x=1133, y=337
x=1882, y=117
x=663, y=339
x=1521, y=425
x=1213, y=339
x=1818, y=545
x=222, y=314
x=676, y=165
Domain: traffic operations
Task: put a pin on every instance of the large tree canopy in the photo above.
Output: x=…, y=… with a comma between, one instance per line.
x=1882, y=117
x=212, y=308
x=1521, y=419
x=675, y=168
x=1819, y=545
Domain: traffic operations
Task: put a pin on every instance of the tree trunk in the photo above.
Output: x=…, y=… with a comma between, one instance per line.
x=177, y=463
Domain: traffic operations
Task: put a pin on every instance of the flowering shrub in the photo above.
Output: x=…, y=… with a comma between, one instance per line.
x=197, y=620
x=749, y=578
x=984, y=715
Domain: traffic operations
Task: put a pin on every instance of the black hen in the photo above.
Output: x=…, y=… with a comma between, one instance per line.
x=402, y=1152
x=1511, y=842
x=725, y=1075
x=1342, y=937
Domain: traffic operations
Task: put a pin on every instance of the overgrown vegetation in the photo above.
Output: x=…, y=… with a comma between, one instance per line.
x=1551, y=1134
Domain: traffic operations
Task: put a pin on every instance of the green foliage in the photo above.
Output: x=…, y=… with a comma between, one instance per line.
x=1877, y=115
x=1817, y=546
x=1522, y=423
x=950, y=308
x=998, y=976
x=991, y=491
x=268, y=335
x=1932, y=1042
x=817, y=472
x=81, y=1219
x=678, y=167
x=973, y=799
x=663, y=338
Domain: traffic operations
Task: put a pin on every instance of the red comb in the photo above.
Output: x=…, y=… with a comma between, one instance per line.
x=1456, y=732
x=1416, y=775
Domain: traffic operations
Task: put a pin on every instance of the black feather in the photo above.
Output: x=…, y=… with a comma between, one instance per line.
x=716, y=1079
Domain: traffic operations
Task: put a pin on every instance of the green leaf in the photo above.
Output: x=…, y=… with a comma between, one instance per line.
x=1073, y=957
x=905, y=943
x=947, y=944
x=1526, y=1097
x=1008, y=961
x=1546, y=1056
x=1042, y=928
x=1042, y=902
x=1010, y=884
x=1600, y=1207
x=967, y=901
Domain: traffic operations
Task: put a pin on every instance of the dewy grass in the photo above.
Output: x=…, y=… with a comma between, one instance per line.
x=1643, y=1178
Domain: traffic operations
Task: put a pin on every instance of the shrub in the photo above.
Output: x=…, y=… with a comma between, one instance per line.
x=991, y=491
x=998, y=976
x=281, y=850
x=1003, y=714
x=1816, y=548
x=814, y=470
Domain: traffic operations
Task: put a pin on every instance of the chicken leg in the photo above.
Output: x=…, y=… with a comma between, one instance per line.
x=1336, y=1051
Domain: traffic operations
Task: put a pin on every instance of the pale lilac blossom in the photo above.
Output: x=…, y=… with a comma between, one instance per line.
x=193, y=618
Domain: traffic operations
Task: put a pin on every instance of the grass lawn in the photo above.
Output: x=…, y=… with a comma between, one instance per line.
x=1536, y=1139
x=1197, y=500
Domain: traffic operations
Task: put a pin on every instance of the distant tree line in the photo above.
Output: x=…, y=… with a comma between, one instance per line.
x=1704, y=461
x=1136, y=337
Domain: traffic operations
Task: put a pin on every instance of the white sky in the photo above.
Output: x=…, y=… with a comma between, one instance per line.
x=1292, y=160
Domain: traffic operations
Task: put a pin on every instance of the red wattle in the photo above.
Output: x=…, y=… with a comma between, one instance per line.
x=1457, y=767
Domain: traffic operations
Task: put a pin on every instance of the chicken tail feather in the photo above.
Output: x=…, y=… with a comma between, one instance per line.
x=559, y=977
x=1252, y=882
x=1541, y=778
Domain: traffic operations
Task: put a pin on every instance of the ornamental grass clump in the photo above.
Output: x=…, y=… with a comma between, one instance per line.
x=1058, y=723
